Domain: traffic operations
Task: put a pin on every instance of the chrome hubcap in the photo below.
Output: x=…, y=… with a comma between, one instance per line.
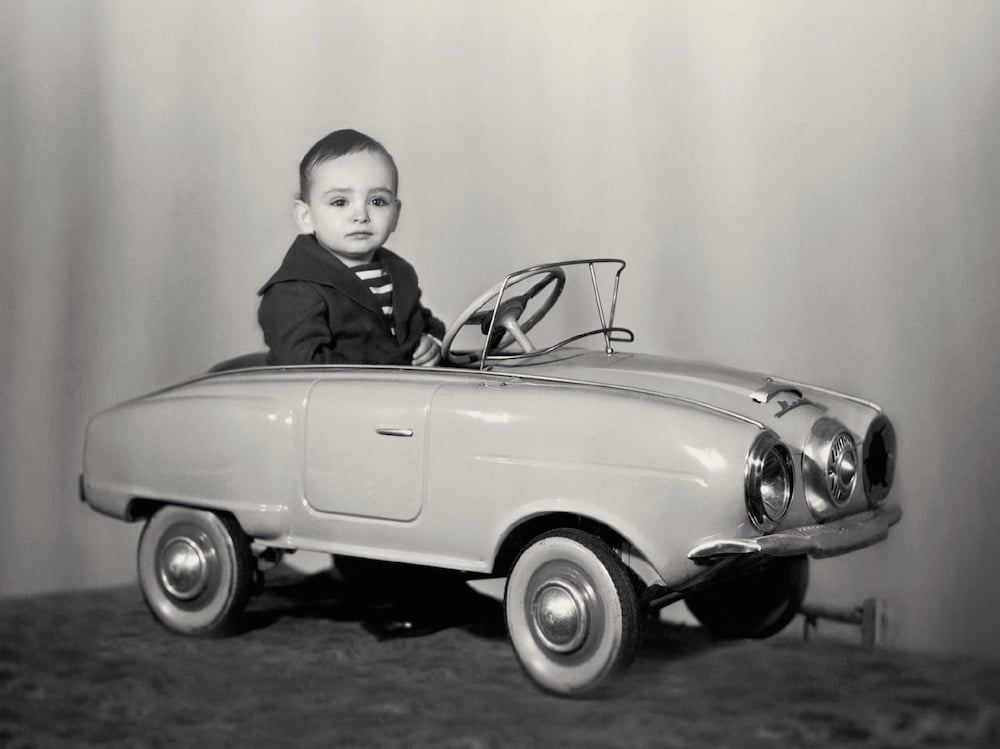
x=559, y=615
x=846, y=468
x=184, y=569
x=842, y=468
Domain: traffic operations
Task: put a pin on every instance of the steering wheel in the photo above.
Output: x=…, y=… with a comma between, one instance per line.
x=508, y=328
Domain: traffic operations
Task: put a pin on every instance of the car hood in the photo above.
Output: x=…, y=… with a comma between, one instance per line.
x=737, y=391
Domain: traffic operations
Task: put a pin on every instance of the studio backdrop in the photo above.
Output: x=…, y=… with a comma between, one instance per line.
x=805, y=189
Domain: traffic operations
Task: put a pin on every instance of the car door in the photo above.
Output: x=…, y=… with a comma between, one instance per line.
x=364, y=447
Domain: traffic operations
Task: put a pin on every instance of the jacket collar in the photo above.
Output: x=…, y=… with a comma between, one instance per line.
x=306, y=260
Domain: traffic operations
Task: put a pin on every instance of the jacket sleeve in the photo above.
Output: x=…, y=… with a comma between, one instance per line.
x=293, y=316
x=432, y=326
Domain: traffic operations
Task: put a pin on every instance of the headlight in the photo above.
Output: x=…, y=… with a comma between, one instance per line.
x=830, y=466
x=879, y=459
x=768, y=483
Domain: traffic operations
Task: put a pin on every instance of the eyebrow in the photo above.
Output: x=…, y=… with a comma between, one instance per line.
x=347, y=191
x=334, y=190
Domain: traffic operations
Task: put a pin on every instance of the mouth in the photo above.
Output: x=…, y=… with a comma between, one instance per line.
x=360, y=234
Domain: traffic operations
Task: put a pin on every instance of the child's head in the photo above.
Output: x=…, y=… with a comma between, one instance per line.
x=347, y=197
x=336, y=144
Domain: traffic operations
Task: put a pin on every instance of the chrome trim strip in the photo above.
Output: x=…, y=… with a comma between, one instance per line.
x=637, y=391
x=467, y=373
x=836, y=393
x=821, y=540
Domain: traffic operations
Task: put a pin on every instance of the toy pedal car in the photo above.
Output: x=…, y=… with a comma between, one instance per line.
x=603, y=484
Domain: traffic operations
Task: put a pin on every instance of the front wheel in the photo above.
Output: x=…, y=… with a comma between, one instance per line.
x=572, y=612
x=757, y=605
x=196, y=570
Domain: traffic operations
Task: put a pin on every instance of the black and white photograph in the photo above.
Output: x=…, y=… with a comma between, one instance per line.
x=481, y=373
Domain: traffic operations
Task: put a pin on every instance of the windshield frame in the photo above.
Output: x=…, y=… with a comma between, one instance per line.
x=608, y=330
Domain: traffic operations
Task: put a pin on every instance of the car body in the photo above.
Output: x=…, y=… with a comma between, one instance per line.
x=601, y=483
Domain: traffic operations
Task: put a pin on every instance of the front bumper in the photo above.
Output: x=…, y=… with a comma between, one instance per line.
x=822, y=540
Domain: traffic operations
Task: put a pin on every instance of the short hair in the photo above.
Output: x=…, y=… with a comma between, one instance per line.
x=336, y=144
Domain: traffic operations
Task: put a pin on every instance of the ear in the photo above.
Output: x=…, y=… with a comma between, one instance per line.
x=395, y=219
x=303, y=217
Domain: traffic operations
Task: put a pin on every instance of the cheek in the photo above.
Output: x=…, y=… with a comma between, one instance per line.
x=328, y=220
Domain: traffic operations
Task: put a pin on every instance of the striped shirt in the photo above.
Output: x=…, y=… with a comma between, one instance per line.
x=373, y=275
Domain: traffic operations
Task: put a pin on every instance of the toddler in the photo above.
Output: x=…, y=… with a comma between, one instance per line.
x=340, y=297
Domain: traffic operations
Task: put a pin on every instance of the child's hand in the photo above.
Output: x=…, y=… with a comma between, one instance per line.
x=428, y=353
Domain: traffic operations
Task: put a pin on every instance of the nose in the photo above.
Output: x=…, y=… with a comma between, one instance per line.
x=361, y=215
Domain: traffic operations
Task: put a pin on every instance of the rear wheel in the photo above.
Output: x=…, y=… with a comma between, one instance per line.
x=196, y=570
x=572, y=612
x=756, y=605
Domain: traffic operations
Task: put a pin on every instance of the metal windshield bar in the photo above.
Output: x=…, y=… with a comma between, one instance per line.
x=520, y=275
x=600, y=311
x=626, y=337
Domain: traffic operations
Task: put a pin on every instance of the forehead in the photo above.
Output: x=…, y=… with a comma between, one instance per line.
x=361, y=170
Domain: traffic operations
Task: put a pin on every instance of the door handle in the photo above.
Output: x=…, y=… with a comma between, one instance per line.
x=394, y=432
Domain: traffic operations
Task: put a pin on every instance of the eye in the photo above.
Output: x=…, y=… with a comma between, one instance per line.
x=380, y=202
x=338, y=202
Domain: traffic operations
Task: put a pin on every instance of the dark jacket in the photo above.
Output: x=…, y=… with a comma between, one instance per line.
x=314, y=310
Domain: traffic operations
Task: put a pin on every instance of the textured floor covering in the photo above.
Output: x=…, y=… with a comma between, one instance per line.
x=93, y=669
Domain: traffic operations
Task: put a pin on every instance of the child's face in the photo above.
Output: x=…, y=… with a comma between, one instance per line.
x=351, y=207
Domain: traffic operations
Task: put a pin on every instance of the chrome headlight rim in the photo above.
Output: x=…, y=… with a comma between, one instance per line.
x=878, y=464
x=768, y=453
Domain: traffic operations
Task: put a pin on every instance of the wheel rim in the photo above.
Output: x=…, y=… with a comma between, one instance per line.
x=195, y=570
x=560, y=613
x=570, y=611
x=186, y=565
x=565, y=616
